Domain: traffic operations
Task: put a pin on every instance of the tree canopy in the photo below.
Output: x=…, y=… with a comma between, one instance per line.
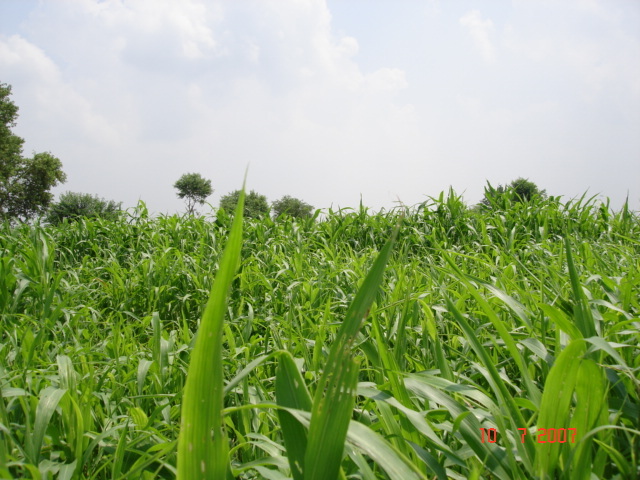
x=194, y=188
x=255, y=205
x=72, y=206
x=291, y=206
x=24, y=182
x=519, y=190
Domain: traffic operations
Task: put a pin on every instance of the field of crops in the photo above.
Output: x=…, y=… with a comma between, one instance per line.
x=483, y=343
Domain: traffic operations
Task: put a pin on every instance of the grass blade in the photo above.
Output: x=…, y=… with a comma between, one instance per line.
x=203, y=449
x=292, y=392
x=498, y=386
x=582, y=313
x=333, y=401
x=556, y=401
x=396, y=465
x=590, y=412
x=49, y=399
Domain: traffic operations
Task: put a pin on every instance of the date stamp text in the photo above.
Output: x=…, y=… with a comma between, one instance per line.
x=544, y=435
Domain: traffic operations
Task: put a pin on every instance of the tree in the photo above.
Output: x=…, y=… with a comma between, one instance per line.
x=24, y=182
x=194, y=188
x=519, y=190
x=525, y=189
x=255, y=205
x=73, y=206
x=293, y=207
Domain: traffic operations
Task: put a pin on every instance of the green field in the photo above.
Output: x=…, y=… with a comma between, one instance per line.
x=337, y=353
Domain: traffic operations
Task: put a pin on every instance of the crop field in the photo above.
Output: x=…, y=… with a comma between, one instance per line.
x=431, y=342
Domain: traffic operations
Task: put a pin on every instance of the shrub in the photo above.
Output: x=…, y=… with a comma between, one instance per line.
x=73, y=205
x=520, y=190
x=255, y=205
x=293, y=207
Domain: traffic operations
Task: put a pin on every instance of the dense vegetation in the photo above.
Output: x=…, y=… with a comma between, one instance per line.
x=255, y=204
x=511, y=316
x=75, y=205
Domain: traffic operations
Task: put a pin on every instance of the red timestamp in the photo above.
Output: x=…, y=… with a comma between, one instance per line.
x=545, y=435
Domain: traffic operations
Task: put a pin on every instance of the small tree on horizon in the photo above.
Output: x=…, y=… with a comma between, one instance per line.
x=293, y=207
x=255, y=205
x=194, y=188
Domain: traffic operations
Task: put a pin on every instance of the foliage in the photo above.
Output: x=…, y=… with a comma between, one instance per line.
x=519, y=190
x=203, y=449
x=293, y=207
x=72, y=206
x=255, y=205
x=521, y=319
x=24, y=182
x=194, y=188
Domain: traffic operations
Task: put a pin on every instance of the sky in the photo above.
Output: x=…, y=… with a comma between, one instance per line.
x=331, y=101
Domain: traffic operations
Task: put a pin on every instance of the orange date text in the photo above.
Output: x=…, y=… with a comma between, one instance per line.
x=544, y=435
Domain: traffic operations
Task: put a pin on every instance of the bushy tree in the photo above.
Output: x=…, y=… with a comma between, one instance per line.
x=73, y=206
x=526, y=189
x=519, y=190
x=255, y=205
x=194, y=188
x=292, y=206
x=24, y=182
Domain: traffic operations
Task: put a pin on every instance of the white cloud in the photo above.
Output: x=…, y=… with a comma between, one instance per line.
x=167, y=87
x=43, y=91
x=587, y=45
x=25, y=60
x=481, y=31
x=387, y=79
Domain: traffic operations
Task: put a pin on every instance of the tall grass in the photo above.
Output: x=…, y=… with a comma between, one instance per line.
x=333, y=353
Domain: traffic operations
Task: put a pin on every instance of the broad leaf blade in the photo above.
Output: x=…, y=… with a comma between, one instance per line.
x=291, y=392
x=203, y=449
x=49, y=399
x=556, y=403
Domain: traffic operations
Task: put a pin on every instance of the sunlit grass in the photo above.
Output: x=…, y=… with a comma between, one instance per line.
x=335, y=354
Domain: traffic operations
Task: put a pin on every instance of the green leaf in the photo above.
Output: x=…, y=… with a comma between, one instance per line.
x=203, y=449
x=49, y=399
x=291, y=392
x=582, y=312
x=335, y=394
x=502, y=392
x=590, y=412
x=490, y=454
x=556, y=403
x=139, y=417
x=143, y=370
x=247, y=370
x=361, y=437
x=394, y=463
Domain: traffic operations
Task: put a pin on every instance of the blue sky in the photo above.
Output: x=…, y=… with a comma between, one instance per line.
x=329, y=101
